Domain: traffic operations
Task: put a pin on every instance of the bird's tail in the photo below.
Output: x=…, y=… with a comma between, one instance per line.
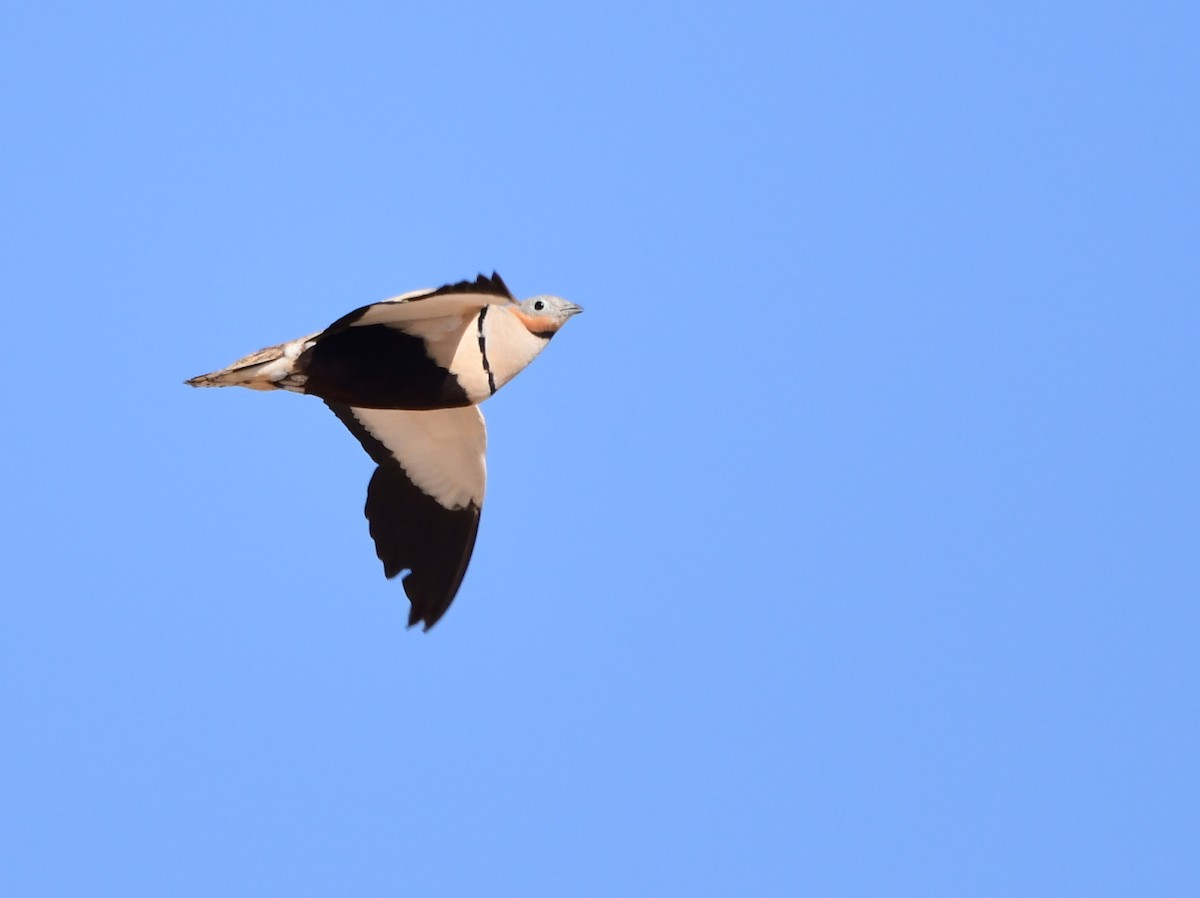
x=272, y=368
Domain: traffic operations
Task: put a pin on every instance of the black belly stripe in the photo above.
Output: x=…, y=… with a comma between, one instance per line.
x=483, y=351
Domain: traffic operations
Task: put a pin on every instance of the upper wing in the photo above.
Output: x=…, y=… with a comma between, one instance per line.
x=424, y=499
x=453, y=301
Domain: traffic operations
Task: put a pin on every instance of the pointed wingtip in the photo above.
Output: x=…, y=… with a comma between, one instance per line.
x=414, y=618
x=499, y=282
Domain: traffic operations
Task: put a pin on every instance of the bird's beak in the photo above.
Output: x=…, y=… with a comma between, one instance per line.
x=572, y=309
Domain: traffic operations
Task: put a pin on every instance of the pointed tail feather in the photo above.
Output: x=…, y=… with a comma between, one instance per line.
x=272, y=368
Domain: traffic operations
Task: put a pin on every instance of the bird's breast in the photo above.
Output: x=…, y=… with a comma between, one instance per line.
x=493, y=351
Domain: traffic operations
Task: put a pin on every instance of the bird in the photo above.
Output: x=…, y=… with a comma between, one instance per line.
x=406, y=377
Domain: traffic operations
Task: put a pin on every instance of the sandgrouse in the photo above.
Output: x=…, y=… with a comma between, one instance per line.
x=405, y=376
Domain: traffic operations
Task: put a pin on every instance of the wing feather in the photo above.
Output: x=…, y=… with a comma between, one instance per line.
x=425, y=498
x=453, y=301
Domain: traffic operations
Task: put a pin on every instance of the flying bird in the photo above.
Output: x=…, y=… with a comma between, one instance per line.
x=406, y=376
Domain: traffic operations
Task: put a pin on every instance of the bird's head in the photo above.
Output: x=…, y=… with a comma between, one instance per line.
x=544, y=315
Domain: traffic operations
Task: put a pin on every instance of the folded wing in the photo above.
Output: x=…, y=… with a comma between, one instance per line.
x=425, y=498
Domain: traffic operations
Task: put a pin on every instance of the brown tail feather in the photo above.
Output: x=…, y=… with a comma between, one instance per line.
x=268, y=369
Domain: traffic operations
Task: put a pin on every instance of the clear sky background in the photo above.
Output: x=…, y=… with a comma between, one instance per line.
x=846, y=546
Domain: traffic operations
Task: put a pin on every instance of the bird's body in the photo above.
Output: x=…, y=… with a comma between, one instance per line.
x=404, y=376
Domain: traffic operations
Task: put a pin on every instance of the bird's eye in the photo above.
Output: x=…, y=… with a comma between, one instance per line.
x=538, y=306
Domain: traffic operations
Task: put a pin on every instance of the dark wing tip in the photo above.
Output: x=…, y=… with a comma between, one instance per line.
x=492, y=286
x=499, y=286
x=413, y=532
x=416, y=617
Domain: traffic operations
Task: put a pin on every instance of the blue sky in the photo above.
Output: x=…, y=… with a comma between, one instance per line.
x=847, y=545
